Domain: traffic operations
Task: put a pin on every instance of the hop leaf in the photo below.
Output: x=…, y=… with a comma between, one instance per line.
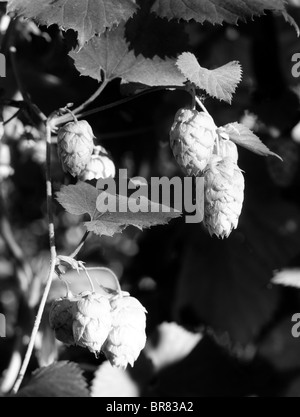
x=287, y=278
x=170, y=345
x=83, y=198
x=87, y=17
x=243, y=136
x=219, y=83
x=216, y=11
x=61, y=379
x=110, y=53
x=113, y=382
x=78, y=199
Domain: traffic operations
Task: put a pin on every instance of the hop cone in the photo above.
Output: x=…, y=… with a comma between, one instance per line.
x=193, y=136
x=61, y=320
x=91, y=321
x=100, y=166
x=224, y=196
x=75, y=146
x=127, y=337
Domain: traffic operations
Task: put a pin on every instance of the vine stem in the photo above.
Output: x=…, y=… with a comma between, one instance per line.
x=12, y=103
x=93, y=96
x=66, y=118
x=90, y=280
x=51, y=273
x=13, y=52
x=5, y=122
x=80, y=246
x=73, y=115
x=128, y=100
x=119, y=289
x=202, y=105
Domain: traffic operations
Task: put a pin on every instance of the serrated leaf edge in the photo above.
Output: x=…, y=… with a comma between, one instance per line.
x=270, y=153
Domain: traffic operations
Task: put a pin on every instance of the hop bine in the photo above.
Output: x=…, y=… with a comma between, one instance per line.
x=224, y=196
x=75, y=146
x=193, y=137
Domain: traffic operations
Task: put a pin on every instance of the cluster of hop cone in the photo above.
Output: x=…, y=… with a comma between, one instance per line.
x=113, y=324
x=201, y=151
x=78, y=154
